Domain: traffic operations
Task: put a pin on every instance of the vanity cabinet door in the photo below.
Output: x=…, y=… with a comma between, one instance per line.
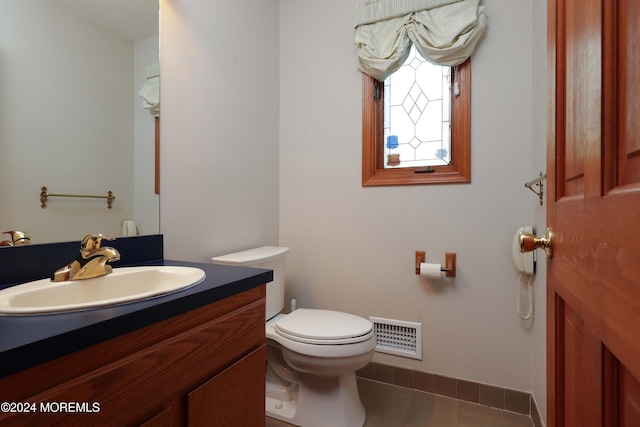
x=233, y=398
x=163, y=419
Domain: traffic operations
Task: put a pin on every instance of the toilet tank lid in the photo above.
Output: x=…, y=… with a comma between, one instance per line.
x=251, y=256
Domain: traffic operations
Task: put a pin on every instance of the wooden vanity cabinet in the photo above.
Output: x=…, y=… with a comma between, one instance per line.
x=202, y=368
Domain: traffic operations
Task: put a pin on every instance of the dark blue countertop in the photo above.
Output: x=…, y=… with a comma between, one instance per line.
x=26, y=341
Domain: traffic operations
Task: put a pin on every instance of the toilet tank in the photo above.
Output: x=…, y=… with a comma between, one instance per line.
x=271, y=257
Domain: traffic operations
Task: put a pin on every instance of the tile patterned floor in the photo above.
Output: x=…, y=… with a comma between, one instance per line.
x=393, y=406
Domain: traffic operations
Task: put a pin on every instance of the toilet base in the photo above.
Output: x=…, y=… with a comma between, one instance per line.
x=316, y=401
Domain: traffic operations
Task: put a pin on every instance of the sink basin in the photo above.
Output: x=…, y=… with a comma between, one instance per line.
x=125, y=284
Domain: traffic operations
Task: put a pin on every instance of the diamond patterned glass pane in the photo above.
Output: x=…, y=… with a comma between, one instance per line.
x=416, y=114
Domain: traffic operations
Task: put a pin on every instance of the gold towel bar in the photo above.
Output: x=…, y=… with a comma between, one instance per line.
x=44, y=196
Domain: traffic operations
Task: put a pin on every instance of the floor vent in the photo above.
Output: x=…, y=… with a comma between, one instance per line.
x=398, y=337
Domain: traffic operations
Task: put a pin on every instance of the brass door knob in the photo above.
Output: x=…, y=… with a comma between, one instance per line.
x=529, y=242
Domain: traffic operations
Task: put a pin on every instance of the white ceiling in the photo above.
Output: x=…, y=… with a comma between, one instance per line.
x=134, y=19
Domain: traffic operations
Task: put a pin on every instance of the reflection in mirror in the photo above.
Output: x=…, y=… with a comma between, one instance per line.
x=71, y=118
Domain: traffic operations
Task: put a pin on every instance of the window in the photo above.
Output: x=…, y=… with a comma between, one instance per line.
x=413, y=154
x=417, y=114
x=444, y=32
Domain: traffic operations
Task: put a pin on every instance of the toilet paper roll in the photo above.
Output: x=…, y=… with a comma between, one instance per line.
x=129, y=228
x=430, y=271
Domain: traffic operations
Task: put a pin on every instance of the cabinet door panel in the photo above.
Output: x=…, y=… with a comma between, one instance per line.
x=233, y=398
x=163, y=419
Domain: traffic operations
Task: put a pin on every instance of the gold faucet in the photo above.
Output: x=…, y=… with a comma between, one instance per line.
x=18, y=238
x=91, y=262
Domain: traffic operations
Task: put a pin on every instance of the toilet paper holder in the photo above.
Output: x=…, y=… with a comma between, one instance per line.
x=450, y=263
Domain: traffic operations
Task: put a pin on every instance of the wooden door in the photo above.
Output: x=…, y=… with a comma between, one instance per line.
x=593, y=169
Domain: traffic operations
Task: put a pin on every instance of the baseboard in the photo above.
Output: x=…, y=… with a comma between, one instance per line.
x=483, y=394
x=535, y=414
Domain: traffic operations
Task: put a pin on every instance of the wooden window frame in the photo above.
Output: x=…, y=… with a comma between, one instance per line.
x=373, y=171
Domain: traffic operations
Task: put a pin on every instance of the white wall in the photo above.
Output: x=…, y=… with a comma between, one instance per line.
x=146, y=202
x=219, y=133
x=352, y=248
x=539, y=89
x=66, y=122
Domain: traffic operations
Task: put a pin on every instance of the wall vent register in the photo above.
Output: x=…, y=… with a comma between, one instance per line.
x=398, y=337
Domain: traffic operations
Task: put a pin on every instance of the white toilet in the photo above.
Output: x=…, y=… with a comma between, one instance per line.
x=312, y=355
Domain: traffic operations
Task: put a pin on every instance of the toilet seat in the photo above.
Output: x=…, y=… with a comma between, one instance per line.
x=323, y=327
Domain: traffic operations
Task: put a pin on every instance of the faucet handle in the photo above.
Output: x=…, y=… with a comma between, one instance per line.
x=91, y=242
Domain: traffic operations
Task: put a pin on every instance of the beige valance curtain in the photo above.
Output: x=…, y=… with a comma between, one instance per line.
x=445, y=32
x=150, y=92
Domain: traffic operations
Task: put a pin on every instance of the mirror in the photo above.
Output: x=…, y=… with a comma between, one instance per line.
x=71, y=118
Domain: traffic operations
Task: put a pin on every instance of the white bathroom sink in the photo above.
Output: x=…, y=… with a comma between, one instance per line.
x=125, y=284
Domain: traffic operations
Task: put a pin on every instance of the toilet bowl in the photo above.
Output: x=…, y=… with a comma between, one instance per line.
x=312, y=357
x=312, y=354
